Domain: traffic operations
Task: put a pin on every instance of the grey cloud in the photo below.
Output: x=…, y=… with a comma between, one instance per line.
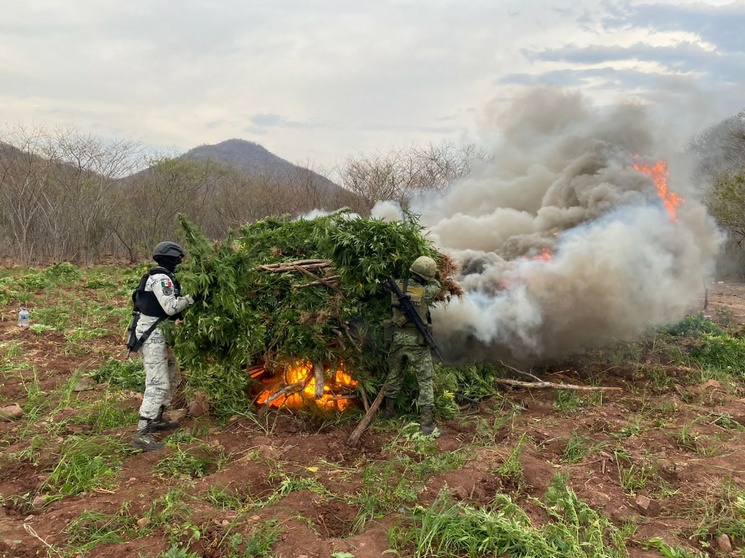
x=722, y=26
x=684, y=57
x=262, y=121
x=267, y=119
x=628, y=80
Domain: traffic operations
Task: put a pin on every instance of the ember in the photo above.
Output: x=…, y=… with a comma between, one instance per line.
x=302, y=383
x=659, y=174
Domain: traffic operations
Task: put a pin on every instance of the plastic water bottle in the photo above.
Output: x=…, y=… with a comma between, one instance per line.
x=23, y=318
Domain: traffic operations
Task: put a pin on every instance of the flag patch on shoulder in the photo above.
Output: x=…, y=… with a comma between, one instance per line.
x=167, y=287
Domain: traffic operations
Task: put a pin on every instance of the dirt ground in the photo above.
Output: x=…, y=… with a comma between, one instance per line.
x=315, y=525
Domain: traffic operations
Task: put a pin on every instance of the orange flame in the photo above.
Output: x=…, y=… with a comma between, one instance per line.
x=545, y=255
x=659, y=175
x=298, y=373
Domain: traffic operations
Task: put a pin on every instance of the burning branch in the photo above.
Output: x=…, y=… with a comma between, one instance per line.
x=302, y=382
x=286, y=391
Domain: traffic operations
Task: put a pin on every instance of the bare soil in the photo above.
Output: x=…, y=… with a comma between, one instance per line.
x=316, y=525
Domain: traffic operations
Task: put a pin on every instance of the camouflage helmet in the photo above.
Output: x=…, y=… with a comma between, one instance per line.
x=168, y=248
x=425, y=267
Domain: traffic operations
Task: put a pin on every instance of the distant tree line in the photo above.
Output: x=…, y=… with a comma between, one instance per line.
x=720, y=152
x=69, y=196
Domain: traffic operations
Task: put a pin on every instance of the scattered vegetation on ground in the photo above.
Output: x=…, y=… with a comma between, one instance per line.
x=73, y=444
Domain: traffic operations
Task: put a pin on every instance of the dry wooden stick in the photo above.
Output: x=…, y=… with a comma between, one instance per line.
x=341, y=338
x=365, y=402
x=349, y=336
x=292, y=266
x=354, y=437
x=330, y=281
x=317, y=279
x=544, y=384
x=552, y=385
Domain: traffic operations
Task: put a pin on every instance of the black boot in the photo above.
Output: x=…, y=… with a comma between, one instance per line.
x=426, y=420
x=389, y=408
x=143, y=439
x=159, y=424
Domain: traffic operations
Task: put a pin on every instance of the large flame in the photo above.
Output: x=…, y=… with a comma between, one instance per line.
x=301, y=372
x=658, y=172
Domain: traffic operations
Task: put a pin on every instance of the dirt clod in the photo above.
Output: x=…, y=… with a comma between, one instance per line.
x=11, y=412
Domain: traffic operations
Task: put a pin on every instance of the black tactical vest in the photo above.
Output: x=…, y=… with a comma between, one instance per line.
x=146, y=302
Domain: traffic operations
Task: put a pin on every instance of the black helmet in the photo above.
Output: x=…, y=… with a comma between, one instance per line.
x=168, y=248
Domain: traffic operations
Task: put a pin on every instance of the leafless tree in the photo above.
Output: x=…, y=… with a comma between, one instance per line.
x=150, y=201
x=403, y=173
x=85, y=182
x=23, y=175
x=721, y=149
x=65, y=195
x=55, y=192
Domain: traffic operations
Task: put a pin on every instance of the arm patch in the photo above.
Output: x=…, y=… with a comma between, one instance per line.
x=167, y=287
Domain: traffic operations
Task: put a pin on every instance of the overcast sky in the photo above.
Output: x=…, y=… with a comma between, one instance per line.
x=319, y=80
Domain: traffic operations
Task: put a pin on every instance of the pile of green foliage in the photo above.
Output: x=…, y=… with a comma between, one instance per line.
x=246, y=316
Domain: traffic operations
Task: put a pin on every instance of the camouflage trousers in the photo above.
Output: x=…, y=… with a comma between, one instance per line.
x=162, y=375
x=407, y=354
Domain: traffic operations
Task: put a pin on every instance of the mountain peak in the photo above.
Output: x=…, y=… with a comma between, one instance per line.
x=254, y=159
x=246, y=155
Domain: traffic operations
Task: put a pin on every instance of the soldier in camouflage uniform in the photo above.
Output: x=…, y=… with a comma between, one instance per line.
x=408, y=347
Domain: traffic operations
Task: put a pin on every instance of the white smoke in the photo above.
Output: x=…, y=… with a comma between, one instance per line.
x=562, y=243
x=387, y=211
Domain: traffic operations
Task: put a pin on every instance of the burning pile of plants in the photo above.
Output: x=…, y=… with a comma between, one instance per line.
x=290, y=312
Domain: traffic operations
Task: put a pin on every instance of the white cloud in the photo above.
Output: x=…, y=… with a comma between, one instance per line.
x=321, y=80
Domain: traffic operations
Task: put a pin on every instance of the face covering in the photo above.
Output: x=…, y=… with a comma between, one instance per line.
x=169, y=262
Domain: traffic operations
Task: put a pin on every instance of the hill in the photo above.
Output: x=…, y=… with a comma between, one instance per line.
x=255, y=160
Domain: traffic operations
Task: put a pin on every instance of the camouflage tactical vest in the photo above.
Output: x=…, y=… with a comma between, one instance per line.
x=415, y=293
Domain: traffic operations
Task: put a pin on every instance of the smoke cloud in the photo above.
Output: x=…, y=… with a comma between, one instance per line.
x=563, y=245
